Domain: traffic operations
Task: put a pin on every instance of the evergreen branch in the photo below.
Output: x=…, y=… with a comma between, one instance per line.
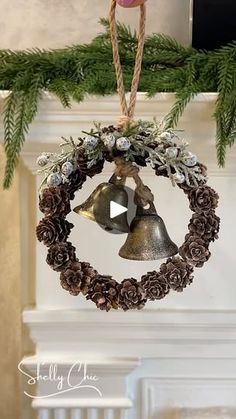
x=73, y=72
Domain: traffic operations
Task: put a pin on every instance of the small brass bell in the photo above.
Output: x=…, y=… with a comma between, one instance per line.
x=148, y=238
x=97, y=206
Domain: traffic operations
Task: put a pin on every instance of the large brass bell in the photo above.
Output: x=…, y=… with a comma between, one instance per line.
x=148, y=238
x=97, y=206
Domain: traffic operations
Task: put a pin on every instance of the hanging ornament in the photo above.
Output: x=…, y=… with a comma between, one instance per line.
x=131, y=145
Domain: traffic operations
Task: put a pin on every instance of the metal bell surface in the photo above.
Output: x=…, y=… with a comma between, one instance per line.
x=148, y=238
x=97, y=206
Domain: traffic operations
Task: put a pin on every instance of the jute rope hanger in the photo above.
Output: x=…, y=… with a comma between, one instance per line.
x=125, y=169
x=127, y=109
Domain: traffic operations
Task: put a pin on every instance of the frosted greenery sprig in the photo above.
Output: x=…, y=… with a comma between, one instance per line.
x=163, y=150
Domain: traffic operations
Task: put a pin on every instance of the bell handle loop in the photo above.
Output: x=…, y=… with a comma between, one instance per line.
x=115, y=180
x=127, y=110
x=151, y=210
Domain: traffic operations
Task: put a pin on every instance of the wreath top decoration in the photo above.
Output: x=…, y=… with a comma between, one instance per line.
x=130, y=145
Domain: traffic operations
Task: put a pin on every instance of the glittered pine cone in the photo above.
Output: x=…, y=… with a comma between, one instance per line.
x=76, y=181
x=177, y=272
x=60, y=255
x=155, y=285
x=89, y=171
x=73, y=280
x=205, y=225
x=103, y=291
x=54, y=201
x=203, y=199
x=195, y=251
x=131, y=295
x=53, y=229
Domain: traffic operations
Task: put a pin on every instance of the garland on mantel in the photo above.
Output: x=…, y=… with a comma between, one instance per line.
x=73, y=72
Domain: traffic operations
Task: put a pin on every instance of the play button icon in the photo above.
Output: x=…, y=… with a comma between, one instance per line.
x=116, y=209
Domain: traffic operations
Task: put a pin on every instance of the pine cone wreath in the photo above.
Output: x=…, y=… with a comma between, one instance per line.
x=205, y=225
x=73, y=279
x=76, y=181
x=203, y=199
x=155, y=285
x=103, y=291
x=177, y=272
x=60, y=255
x=53, y=229
x=54, y=201
x=131, y=295
x=195, y=251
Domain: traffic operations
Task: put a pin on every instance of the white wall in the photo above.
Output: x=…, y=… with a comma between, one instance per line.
x=57, y=23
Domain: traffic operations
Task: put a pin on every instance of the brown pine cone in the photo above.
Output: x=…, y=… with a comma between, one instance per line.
x=155, y=285
x=76, y=181
x=195, y=251
x=205, y=225
x=89, y=171
x=60, y=255
x=177, y=272
x=202, y=169
x=53, y=229
x=54, y=201
x=110, y=129
x=73, y=279
x=131, y=295
x=103, y=291
x=203, y=199
x=88, y=270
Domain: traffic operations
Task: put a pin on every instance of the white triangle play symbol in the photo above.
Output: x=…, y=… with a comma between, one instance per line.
x=116, y=209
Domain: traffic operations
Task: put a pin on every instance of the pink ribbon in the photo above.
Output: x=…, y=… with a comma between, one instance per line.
x=130, y=3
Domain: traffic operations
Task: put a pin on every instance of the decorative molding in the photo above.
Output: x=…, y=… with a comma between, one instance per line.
x=145, y=334
x=193, y=394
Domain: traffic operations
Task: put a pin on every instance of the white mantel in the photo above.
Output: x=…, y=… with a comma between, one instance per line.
x=163, y=356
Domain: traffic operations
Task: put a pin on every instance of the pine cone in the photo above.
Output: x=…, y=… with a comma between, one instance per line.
x=88, y=270
x=131, y=295
x=195, y=251
x=203, y=199
x=103, y=291
x=53, y=229
x=74, y=280
x=76, y=181
x=177, y=272
x=155, y=285
x=202, y=169
x=110, y=129
x=60, y=255
x=54, y=201
x=205, y=225
x=89, y=171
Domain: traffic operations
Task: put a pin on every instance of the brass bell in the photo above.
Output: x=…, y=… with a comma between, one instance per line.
x=97, y=206
x=148, y=238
